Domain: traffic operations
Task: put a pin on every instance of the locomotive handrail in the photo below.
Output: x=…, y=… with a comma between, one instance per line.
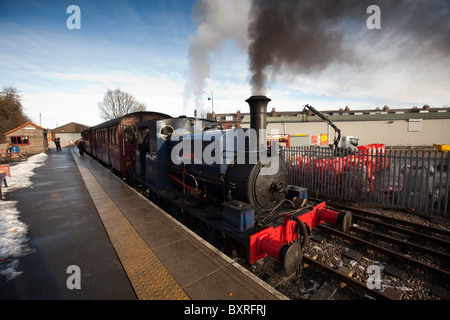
x=196, y=187
x=196, y=190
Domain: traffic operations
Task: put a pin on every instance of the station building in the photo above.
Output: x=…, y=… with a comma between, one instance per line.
x=28, y=138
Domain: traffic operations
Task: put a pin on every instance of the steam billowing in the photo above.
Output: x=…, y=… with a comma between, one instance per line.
x=301, y=37
x=217, y=21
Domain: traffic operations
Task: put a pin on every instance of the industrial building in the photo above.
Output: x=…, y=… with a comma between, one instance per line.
x=393, y=127
x=68, y=134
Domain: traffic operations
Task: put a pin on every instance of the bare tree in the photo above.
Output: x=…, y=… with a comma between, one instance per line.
x=118, y=103
x=12, y=114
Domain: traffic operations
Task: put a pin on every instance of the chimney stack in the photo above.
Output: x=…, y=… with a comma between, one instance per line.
x=258, y=112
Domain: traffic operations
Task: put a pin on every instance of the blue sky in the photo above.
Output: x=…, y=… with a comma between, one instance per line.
x=142, y=47
x=64, y=73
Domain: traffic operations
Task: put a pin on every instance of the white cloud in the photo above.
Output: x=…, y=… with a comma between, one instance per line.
x=63, y=75
x=57, y=108
x=77, y=100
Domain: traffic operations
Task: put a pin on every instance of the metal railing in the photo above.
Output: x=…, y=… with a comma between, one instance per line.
x=414, y=179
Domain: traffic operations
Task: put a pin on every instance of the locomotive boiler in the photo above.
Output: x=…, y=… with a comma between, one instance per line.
x=232, y=164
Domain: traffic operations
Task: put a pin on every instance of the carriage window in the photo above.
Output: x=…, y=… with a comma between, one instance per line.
x=129, y=135
x=101, y=136
x=114, y=136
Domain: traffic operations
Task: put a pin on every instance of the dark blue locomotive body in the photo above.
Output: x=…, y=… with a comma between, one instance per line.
x=227, y=184
x=153, y=155
x=213, y=165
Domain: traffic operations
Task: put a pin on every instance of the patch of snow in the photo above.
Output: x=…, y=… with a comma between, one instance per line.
x=13, y=239
x=22, y=172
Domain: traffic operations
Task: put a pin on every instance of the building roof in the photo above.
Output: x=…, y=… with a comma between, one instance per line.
x=375, y=116
x=24, y=125
x=345, y=115
x=70, y=128
x=134, y=115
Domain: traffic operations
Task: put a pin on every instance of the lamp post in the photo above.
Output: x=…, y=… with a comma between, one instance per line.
x=212, y=102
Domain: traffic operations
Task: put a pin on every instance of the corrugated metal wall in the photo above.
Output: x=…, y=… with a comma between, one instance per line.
x=390, y=133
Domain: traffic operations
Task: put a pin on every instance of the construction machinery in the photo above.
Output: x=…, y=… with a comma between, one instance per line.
x=349, y=143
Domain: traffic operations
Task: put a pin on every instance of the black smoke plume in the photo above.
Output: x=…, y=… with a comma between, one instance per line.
x=304, y=36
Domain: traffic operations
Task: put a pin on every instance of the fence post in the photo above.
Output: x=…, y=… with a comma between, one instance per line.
x=447, y=187
x=441, y=171
x=421, y=180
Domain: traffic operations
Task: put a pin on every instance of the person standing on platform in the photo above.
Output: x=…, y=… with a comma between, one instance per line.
x=81, y=147
x=57, y=144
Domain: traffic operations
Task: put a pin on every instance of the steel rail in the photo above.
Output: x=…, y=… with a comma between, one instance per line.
x=391, y=220
x=356, y=284
x=409, y=246
x=401, y=257
x=408, y=232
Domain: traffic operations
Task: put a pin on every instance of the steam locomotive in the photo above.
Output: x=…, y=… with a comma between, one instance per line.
x=225, y=184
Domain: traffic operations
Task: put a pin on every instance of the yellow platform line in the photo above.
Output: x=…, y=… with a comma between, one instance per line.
x=148, y=276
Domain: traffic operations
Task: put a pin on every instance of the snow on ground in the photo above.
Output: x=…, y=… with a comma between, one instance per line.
x=13, y=239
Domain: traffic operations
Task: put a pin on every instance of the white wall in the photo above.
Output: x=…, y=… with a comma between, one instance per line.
x=391, y=133
x=66, y=139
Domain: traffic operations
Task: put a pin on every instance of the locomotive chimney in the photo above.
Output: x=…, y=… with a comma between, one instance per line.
x=258, y=112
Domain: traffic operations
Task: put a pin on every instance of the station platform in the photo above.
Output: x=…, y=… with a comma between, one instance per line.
x=80, y=214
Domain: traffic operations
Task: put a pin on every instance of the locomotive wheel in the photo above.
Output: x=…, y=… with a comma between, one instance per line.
x=213, y=236
x=153, y=197
x=176, y=212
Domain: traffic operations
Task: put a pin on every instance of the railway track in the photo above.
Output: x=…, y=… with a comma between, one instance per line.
x=438, y=236
x=410, y=240
x=335, y=263
x=409, y=261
